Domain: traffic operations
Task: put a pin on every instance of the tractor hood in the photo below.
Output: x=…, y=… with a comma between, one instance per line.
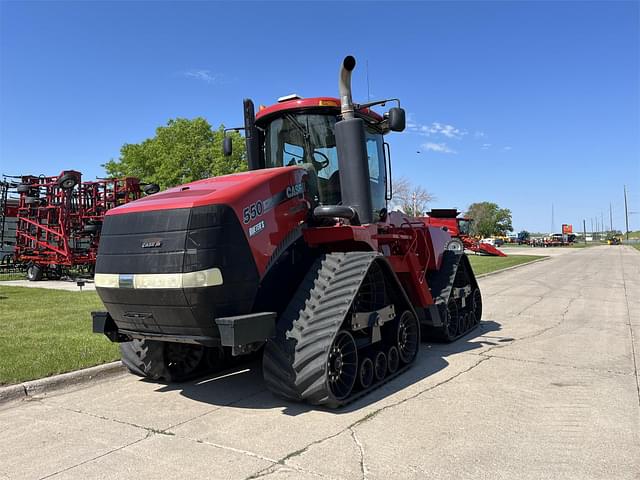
x=227, y=189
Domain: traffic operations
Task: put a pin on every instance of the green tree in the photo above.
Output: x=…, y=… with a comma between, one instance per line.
x=182, y=151
x=489, y=219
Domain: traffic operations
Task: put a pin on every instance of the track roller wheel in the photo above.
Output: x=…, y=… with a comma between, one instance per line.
x=453, y=321
x=465, y=324
x=380, y=366
x=342, y=365
x=408, y=337
x=365, y=374
x=182, y=359
x=473, y=320
x=393, y=359
x=476, y=299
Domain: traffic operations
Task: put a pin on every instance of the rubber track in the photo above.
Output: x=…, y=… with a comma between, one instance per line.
x=294, y=363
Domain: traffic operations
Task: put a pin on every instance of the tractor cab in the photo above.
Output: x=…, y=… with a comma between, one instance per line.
x=464, y=226
x=303, y=132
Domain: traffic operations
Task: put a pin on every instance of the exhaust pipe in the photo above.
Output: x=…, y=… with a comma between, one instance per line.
x=353, y=160
x=344, y=87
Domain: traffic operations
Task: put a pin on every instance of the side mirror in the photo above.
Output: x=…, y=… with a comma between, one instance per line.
x=397, y=121
x=227, y=146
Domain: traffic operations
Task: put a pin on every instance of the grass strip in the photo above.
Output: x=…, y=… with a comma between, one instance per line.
x=487, y=264
x=44, y=332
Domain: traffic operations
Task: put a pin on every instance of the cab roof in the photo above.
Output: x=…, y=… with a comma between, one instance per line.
x=330, y=103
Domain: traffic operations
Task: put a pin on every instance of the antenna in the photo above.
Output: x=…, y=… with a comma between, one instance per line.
x=368, y=95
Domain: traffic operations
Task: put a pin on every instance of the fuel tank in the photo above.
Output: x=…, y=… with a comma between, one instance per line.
x=171, y=263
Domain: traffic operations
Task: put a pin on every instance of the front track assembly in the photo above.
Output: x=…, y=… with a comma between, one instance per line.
x=348, y=330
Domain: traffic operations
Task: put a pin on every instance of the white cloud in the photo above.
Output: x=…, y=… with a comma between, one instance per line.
x=479, y=134
x=204, y=76
x=438, y=147
x=435, y=129
x=485, y=146
x=507, y=148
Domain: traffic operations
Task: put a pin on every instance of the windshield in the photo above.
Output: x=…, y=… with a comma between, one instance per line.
x=464, y=226
x=307, y=139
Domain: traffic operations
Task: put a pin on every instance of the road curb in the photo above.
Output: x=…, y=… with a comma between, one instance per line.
x=512, y=267
x=47, y=385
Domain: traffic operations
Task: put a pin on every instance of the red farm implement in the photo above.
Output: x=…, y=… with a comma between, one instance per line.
x=459, y=228
x=59, y=219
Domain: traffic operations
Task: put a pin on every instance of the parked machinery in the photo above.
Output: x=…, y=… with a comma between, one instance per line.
x=297, y=258
x=460, y=230
x=8, y=221
x=58, y=219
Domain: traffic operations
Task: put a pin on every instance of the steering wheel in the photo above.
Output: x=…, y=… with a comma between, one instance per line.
x=320, y=165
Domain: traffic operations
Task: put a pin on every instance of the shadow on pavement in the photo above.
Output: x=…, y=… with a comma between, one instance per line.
x=243, y=385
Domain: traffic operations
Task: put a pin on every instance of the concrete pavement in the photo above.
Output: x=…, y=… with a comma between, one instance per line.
x=546, y=388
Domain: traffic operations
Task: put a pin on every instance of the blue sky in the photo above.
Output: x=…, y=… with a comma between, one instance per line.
x=524, y=104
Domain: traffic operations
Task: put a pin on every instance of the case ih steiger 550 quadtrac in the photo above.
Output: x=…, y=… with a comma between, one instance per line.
x=297, y=258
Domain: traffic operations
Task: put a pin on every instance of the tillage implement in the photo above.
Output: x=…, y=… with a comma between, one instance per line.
x=297, y=260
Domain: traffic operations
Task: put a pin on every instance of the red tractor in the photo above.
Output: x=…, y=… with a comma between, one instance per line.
x=460, y=230
x=297, y=259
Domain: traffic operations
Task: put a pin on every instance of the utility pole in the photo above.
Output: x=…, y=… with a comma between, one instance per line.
x=602, y=221
x=626, y=213
x=584, y=230
x=592, y=226
x=610, y=218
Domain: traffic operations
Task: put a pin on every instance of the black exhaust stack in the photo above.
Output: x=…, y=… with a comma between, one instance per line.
x=251, y=134
x=352, y=151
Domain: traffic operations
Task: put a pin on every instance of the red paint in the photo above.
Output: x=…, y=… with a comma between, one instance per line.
x=329, y=104
x=239, y=190
x=48, y=231
x=449, y=219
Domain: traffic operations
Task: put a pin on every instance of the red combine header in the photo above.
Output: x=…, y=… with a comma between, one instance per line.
x=460, y=229
x=59, y=219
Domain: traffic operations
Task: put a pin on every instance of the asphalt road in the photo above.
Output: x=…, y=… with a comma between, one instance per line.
x=546, y=388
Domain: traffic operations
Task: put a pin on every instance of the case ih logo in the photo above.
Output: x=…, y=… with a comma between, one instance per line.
x=151, y=244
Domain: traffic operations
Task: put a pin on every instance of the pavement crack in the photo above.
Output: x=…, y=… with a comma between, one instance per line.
x=539, y=332
x=633, y=346
x=371, y=415
x=552, y=364
x=122, y=422
x=363, y=465
x=97, y=457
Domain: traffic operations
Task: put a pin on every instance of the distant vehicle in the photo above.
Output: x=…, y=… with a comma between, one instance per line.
x=489, y=241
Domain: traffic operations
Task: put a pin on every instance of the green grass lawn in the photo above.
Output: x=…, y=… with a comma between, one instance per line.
x=44, y=332
x=485, y=264
x=636, y=246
